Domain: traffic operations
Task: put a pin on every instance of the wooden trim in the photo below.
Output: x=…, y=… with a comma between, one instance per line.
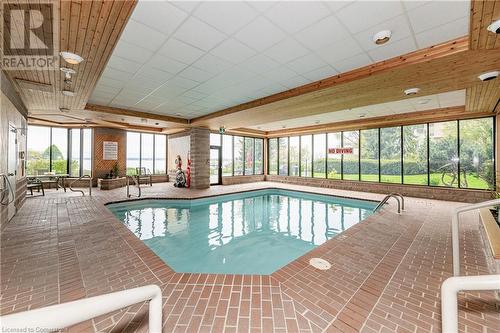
x=410, y=118
x=131, y=113
x=10, y=92
x=492, y=231
x=482, y=13
x=426, y=54
x=247, y=132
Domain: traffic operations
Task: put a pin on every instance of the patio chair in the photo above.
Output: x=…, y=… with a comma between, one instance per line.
x=144, y=176
x=35, y=183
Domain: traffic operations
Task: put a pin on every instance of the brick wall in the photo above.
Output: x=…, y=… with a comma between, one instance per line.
x=427, y=192
x=242, y=179
x=200, y=158
x=101, y=167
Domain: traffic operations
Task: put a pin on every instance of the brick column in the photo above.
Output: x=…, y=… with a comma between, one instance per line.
x=200, y=158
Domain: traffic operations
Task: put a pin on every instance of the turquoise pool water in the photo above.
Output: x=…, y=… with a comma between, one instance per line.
x=254, y=232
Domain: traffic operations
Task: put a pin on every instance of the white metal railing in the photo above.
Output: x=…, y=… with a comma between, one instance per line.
x=136, y=182
x=56, y=317
x=78, y=179
x=401, y=204
x=449, y=298
x=455, y=229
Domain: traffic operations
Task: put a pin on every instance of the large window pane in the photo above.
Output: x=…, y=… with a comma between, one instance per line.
x=351, y=161
x=59, y=150
x=283, y=156
x=294, y=156
x=476, y=153
x=249, y=156
x=75, y=153
x=273, y=157
x=38, y=150
x=319, y=162
x=259, y=156
x=369, y=155
x=306, y=156
x=214, y=139
x=443, y=154
x=334, y=160
x=133, y=152
x=390, y=155
x=147, y=152
x=160, y=154
x=415, y=155
x=87, y=152
x=238, y=155
x=227, y=155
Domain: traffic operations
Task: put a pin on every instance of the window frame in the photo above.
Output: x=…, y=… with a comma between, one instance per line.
x=154, y=151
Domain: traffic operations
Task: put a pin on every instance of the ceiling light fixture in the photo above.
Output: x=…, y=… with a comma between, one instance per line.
x=489, y=76
x=68, y=93
x=65, y=110
x=144, y=120
x=317, y=122
x=424, y=101
x=411, y=91
x=382, y=37
x=362, y=115
x=495, y=27
x=71, y=58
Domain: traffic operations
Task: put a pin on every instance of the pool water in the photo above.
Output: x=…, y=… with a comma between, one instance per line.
x=255, y=232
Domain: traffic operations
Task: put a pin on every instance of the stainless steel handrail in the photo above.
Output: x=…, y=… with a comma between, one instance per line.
x=386, y=198
x=7, y=189
x=402, y=199
x=80, y=178
x=136, y=182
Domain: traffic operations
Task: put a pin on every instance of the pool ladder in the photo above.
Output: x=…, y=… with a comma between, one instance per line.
x=78, y=179
x=136, y=183
x=397, y=196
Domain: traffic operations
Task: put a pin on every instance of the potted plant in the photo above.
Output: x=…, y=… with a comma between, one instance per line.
x=115, y=170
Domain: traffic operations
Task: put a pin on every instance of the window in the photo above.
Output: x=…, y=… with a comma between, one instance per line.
x=215, y=139
x=415, y=155
x=319, y=161
x=306, y=156
x=273, y=156
x=477, y=168
x=334, y=160
x=259, y=156
x=38, y=142
x=283, y=156
x=86, y=152
x=350, y=162
x=75, y=153
x=390, y=155
x=369, y=155
x=148, y=151
x=249, y=155
x=227, y=155
x=59, y=150
x=443, y=154
x=294, y=155
x=238, y=155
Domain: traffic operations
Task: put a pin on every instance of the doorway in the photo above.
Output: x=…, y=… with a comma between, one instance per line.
x=12, y=170
x=215, y=165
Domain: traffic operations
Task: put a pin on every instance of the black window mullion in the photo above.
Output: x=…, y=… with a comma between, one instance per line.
x=402, y=156
x=50, y=149
x=326, y=155
x=288, y=157
x=300, y=155
x=379, y=163
x=342, y=156
x=458, y=154
x=154, y=154
x=359, y=154
x=80, y=171
x=429, y=158
x=232, y=144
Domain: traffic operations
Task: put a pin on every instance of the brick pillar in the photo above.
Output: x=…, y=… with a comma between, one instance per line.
x=200, y=158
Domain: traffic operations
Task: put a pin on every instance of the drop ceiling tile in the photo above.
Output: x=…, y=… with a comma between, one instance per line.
x=354, y=62
x=109, y=82
x=135, y=33
x=259, y=64
x=361, y=15
x=196, y=74
x=199, y=34
x=295, y=16
x=177, y=50
x=186, y=6
x=182, y=82
x=320, y=73
x=194, y=94
x=339, y=50
x=306, y=64
x=168, y=91
x=226, y=16
x=212, y=64
x=335, y=6
x=123, y=64
x=159, y=15
x=280, y=74
x=116, y=74
x=398, y=26
x=261, y=6
x=323, y=33
x=153, y=74
x=294, y=82
x=131, y=52
x=101, y=88
x=233, y=51
x=260, y=34
x=286, y=51
x=166, y=64
x=394, y=49
x=444, y=32
x=436, y=13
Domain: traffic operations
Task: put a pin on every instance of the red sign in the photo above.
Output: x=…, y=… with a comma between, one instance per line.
x=340, y=150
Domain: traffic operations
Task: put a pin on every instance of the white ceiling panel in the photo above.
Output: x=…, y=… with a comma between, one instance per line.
x=175, y=54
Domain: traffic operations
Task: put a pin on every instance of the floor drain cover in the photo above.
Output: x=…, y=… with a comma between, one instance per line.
x=320, y=264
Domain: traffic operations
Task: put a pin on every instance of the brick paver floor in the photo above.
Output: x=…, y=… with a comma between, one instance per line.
x=385, y=276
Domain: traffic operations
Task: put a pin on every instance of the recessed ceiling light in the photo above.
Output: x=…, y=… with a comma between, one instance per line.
x=122, y=119
x=317, y=122
x=157, y=124
x=423, y=101
x=489, y=76
x=258, y=127
x=65, y=110
x=495, y=27
x=68, y=93
x=411, y=91
x=144, y=120
x=382, y=37
x=284, y=126
x=71, y=58
x=362, y=115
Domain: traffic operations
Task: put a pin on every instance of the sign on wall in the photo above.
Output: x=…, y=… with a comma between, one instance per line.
x=340, y=150
x=109, y=150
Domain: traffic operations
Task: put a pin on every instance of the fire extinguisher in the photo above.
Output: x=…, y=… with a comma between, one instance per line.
x=188, y=170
